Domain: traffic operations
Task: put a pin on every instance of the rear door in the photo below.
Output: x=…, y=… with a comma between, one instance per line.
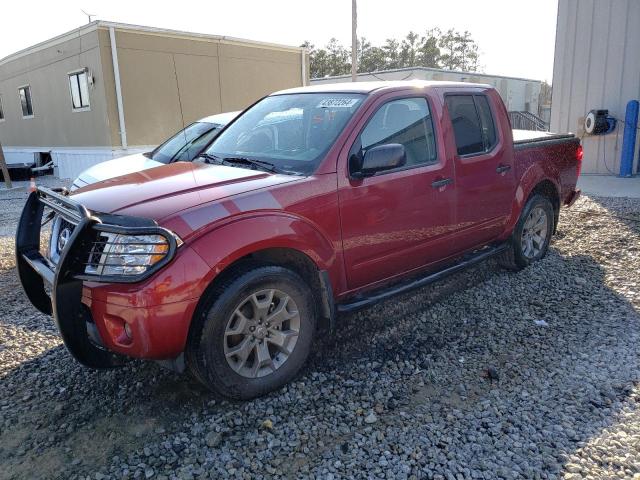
x=485, y=181
x=397, y=220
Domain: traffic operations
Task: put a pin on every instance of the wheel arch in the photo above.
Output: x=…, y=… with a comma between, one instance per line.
x=293, y=259
x=534, y=181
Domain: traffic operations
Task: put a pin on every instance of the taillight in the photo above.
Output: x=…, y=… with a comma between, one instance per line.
x=579, y=155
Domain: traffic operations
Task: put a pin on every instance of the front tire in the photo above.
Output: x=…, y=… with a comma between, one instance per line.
x=255, y=333
x=531, y=236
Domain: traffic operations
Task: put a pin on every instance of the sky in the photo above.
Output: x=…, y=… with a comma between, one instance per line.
x=515, y=37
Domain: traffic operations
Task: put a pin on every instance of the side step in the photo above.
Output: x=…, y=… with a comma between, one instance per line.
x=363, y=301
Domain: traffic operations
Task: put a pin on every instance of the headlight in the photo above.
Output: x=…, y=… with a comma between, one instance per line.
x=128, y=255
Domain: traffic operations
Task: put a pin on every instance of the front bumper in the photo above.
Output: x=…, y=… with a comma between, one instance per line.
x=58, y=289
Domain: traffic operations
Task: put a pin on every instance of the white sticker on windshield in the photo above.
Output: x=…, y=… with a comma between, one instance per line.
x=338, y=102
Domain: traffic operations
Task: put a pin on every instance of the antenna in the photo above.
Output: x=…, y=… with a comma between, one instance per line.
x=89, y=15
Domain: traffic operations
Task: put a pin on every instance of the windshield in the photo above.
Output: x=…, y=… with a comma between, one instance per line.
x=186, y=144
x=292, y=132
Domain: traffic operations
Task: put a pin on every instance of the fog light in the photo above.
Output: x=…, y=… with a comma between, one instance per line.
x=127, y=331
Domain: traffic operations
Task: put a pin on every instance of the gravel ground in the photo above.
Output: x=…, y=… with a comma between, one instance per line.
x=487, y=374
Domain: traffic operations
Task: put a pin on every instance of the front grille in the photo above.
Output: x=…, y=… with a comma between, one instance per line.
x=61, y=231
x=66, y=228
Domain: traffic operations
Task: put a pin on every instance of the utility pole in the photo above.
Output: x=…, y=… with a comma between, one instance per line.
x=354, y=41
x=5, y=170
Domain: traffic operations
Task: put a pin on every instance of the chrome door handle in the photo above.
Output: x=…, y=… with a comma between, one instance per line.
x=503, y=168
x=441, y=183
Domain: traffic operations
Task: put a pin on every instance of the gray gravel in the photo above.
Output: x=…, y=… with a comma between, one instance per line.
x=488, y=374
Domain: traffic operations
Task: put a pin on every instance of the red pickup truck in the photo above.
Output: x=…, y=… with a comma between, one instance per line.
x=313, y=202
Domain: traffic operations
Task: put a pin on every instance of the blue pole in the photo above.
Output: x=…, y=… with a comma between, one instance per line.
x=629, y=139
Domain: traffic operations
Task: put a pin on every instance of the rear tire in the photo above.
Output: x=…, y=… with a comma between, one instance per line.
x=254, y=334
x=530, y=239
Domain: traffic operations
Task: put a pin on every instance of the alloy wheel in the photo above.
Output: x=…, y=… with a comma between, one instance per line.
x=262, y=333
x=534, y=233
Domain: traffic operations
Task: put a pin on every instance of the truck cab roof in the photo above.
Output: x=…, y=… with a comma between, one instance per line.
x=370, y=87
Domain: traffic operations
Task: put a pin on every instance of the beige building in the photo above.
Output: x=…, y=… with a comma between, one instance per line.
x=597, y=66
x=518, y=94
x=109, y=89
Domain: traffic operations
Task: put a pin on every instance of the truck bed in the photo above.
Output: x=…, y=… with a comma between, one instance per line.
x=525, y=138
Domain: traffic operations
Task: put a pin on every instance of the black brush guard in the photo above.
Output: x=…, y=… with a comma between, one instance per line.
x=66, y=278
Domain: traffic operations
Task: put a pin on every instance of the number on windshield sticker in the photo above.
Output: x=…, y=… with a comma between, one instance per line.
x=338, y=102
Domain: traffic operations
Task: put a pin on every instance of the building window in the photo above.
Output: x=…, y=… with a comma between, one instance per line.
x=79, y=88
x=25, y=101
x=1, y=110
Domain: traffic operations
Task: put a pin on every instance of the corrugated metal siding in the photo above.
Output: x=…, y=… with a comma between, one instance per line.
x=596, y=66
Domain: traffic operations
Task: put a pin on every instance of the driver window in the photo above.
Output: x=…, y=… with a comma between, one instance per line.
x=406, y=121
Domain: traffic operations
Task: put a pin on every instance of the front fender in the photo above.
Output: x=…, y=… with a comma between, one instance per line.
x=224, y=245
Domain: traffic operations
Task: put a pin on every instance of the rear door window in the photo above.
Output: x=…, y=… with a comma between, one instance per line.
x=472, y=121
x=486, y=120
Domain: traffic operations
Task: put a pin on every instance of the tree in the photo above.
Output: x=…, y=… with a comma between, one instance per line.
x=338, y=61
x=409, y=50
x=468, y=50
x=429, y=53
x=370, y=58
x=459, y=51
x=452, y=50
x=320, y=67
x=448, y=43
x=391, y=49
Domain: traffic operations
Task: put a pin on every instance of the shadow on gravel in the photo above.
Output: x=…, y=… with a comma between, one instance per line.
x=419, y=361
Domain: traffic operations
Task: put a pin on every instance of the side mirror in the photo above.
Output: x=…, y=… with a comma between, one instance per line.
x=381, y=158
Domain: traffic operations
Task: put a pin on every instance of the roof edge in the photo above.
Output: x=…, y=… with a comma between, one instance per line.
x=428, y=69
x=186, y=34
x=84, y=29
x=71, y=34
x=368, y=87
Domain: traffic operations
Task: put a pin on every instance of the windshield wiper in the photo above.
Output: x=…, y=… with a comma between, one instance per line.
x=262, y=164
x=249, y=161
x=208, y=158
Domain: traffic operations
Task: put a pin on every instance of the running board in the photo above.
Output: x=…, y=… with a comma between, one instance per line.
x=362, y=301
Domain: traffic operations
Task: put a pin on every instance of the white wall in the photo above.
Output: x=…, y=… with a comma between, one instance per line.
x=17, y=158
x=70, y=162
x=597, y=66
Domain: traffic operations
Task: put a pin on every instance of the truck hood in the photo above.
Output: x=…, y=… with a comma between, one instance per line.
x=114, y=168
x=160, y=192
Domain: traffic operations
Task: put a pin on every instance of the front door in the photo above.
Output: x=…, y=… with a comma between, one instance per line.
x=397, y=220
